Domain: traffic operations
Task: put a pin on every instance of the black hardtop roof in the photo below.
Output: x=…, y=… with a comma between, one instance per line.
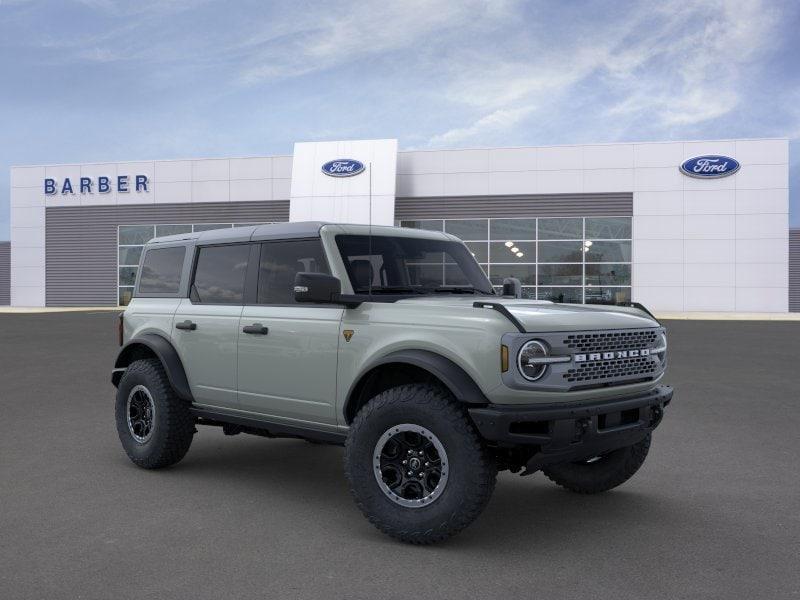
x=280, y=231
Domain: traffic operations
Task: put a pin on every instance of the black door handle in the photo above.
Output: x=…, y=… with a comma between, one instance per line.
x=256, y=328
x=187, y=325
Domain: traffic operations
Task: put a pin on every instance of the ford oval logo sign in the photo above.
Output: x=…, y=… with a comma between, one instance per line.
x=343, y=167
x=710, y=166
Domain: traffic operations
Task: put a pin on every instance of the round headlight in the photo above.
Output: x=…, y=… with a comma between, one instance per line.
x=532, y=350
x=662, y=347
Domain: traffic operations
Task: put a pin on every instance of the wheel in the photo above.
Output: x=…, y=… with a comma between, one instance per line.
x=600, y=473
x=154, y=425
x=416, y=467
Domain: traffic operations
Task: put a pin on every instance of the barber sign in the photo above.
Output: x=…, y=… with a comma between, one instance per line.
x=342, y=167
x=710, y=166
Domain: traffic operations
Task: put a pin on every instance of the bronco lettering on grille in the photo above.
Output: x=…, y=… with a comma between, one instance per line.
x=611, y=355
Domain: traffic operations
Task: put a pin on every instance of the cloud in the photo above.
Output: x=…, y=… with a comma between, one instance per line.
x=497, y=121
x=673, y=64
x=297, y=44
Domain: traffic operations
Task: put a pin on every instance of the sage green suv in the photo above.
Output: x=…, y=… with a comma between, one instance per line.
x=393, y=343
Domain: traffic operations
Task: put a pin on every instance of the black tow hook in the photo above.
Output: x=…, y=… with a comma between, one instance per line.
x=656, y=414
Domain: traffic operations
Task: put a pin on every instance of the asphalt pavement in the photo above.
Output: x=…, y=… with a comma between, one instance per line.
x=713, y=513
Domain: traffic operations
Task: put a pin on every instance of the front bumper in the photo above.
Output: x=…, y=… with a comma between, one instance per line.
x=568, y=432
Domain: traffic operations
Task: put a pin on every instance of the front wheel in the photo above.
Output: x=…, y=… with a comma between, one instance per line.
x=600, y=473
x=417, y=468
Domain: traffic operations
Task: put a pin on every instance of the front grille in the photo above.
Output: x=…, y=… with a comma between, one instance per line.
x=641, y=366
x=611, y=340
x=609, y=370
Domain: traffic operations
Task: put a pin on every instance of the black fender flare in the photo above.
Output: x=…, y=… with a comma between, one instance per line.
x=454, y=378
x=165, y=352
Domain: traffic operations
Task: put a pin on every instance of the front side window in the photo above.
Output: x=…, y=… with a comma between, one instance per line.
x=280, y=262
x=161, y=271
x=398, y=265
x=220, y=273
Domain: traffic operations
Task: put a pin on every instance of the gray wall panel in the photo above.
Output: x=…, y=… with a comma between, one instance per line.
x=553, y=205
x=5, y=273
x=81, y=241
x=794, y=270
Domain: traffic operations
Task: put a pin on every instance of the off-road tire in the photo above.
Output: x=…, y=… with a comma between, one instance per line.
x=173, y=425
x=609, y=471
x=472, y=471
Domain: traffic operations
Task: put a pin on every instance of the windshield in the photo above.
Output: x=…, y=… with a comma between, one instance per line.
x=405, y=265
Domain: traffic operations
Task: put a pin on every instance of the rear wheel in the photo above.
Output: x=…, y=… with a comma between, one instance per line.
x=153, y=424
x=417, y=468
x=600, y=473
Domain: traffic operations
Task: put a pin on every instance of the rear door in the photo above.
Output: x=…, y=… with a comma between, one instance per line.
x=206, y=325
x=288, y=351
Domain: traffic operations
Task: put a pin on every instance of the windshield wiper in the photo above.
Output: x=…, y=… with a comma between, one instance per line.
x=390, y=289
x=456, y=289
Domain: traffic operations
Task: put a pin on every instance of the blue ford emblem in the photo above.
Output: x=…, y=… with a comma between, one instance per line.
x=710, y=166
x=343, y=167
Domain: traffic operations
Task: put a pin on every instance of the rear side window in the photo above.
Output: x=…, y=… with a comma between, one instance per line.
x=220, y=273
x=161, y=270
x=280, y=262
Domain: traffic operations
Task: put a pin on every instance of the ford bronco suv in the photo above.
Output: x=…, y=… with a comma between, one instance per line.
x=393, y=343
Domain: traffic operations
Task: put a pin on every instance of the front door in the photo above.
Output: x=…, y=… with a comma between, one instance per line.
x=288, y=351
x=206, y=325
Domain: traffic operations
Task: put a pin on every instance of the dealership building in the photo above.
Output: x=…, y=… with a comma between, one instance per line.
x=677, y=226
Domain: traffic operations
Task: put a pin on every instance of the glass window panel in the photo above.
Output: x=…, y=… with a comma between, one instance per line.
x=125, y=295
x=608, y=274
x=219, y=277
x=248, y=224
x=608, y=228
x=607, y=295
x=130, y=255
x=161, y=270
x=135, y=235
x=561, y=229
x=467, y=229
x=512, y=229
x=560, y=274
x=608, y=252
x=525, y=273
x=428, y=224
x=162, y=230
x=561, y=294
x=428, y=258
x=480, y=250
x=210, y=226
x=426, y=275
x=550, y=252
x=453, y=275
x=402, y=262
x=281, y=262
x=500, y=252
x=127, y=275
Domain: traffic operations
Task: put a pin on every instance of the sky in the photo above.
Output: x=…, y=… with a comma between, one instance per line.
x=101, y=80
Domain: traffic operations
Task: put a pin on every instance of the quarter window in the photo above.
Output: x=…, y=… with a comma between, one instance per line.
x=161, y=271
x=219, y=276
x=280, y=262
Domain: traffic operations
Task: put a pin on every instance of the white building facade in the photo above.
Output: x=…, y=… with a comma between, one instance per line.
x=590, y=223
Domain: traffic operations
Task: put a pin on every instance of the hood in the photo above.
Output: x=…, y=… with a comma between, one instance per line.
x=542, y=315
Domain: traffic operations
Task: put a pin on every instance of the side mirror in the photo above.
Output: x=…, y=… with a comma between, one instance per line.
x=512, y=287
x=317, y=287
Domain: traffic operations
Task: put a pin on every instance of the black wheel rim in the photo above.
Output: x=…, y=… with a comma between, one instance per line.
x=140, y=413
x=410, y=465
